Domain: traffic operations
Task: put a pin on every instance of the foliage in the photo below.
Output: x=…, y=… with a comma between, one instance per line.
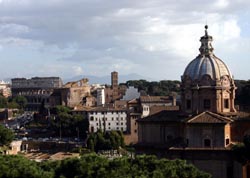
x=105, y=140
x=20, y=167
x=92, y=166
x=161, y=88
x=243, y=92
x=16, y=102
x=242, y=151
x=6, y=136
x=68, y=124
x=3, y=102
x=21, y=101
x=13, y=105
x=60, y=109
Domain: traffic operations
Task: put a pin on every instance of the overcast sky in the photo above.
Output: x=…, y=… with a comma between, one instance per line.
x=155, y=39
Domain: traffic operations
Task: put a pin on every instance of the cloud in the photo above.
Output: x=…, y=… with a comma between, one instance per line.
x=127, y=36
x=77, y=70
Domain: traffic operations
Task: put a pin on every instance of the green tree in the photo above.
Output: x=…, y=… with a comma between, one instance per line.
x=161, y=88
x=21, y=101
x=6, y=136
x=70, y=125
x=20, y=167
x=13, y=105
x=92, y=166
x=105, y=140
x=242, y=151
x=3, y=102
x=61, y=109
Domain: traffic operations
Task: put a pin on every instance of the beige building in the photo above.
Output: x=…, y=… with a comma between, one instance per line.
x=72, y=94
x=5, y=89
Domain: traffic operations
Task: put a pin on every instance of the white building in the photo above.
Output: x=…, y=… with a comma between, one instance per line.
x=100, y=97
x=107, y=119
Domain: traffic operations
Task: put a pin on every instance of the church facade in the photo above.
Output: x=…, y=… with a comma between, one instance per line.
x=205, y=122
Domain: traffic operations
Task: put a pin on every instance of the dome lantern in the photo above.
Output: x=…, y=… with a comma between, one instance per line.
x=206, y=63
x=206, y=46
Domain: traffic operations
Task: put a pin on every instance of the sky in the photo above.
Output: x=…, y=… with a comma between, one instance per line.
x=153, y=38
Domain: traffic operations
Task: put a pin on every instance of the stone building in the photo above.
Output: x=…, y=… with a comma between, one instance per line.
x=114, y=85
x=114, y=92
x=36, y=90
x=71, y=94
x=206, y=122
x=144, y=106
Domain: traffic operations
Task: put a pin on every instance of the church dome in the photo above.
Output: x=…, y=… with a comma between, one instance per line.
x=206, y=63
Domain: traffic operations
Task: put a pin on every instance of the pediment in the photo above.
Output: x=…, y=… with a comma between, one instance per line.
x=208, y=118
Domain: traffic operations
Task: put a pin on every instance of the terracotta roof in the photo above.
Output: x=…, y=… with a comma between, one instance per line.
x=155, y=99
x=163, y=116
x=209, y=118
x=98, y=109
x=156, y=109
x=133, y=101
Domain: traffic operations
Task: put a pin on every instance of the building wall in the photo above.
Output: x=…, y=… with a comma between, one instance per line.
x=107, y=120
x=131, y=136
x=37, y=82
x=76, y=94
x=36, y=90
x=197, y=133
x=100, y=97
x=158, y=133
x=70, y=95
x=15, y=148
x=239, y=129
x=114, y=84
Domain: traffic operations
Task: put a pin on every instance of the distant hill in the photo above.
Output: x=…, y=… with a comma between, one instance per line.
x=107, y=79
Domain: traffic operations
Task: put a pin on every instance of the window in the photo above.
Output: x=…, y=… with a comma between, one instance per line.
x=169, y=137
x=117, y=123
x=91, y=118
x=227, y=141
x=188, y=104
x=207, y=104
x=135, y=130
x=226, y=103
x=109, y=123
x=207, y=142
x=122, y=123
